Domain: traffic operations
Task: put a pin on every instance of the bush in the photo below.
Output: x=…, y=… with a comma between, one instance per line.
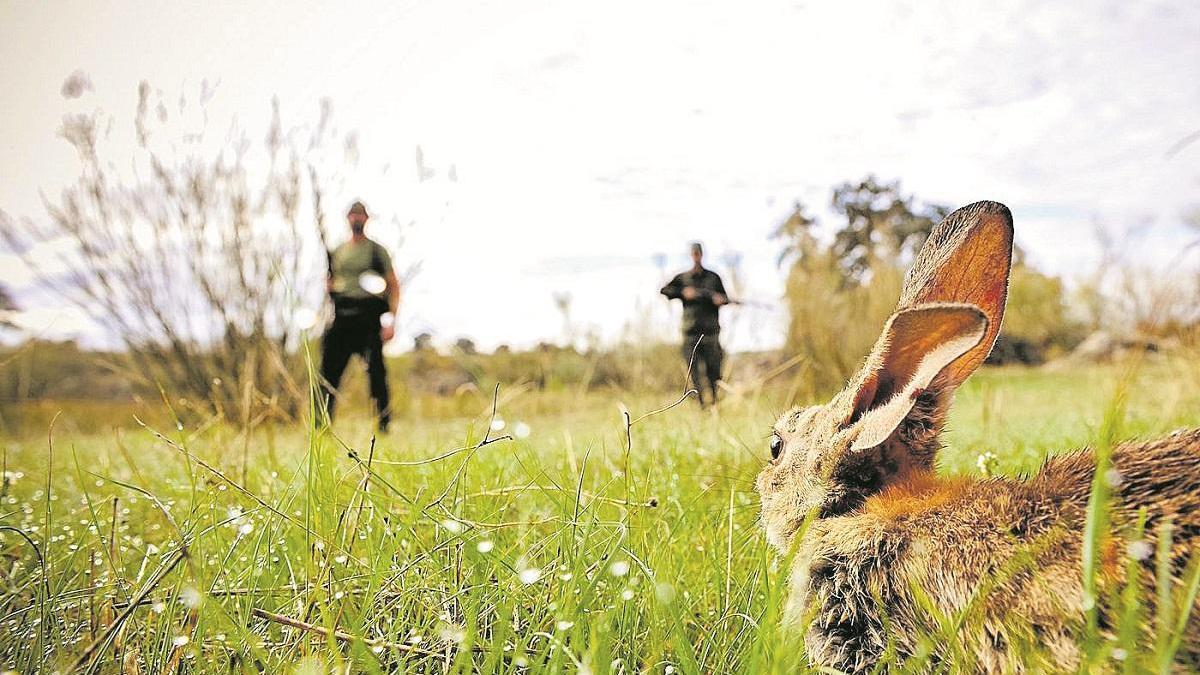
x=832, y=323
x=1037, y=323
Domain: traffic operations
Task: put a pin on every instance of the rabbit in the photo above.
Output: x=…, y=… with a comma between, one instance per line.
x=887, y=537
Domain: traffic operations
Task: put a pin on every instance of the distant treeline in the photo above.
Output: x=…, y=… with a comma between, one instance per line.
x=37, y=376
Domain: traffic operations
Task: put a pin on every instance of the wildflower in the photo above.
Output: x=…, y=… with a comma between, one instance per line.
x=452, y=526
x=245, y=529
x=191, y=597
x=498, y=424
x=664, y=592
x=530, y=575
x=564, y=625
x=619, y=569
x=986, y=463
x=521, y=430
x=485, y=546
x=180, y=640
x=452, y=633
x=627, y=594
x=1113, y=478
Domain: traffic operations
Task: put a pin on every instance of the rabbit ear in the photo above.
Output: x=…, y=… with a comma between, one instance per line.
x=966, y=259
x=918, y=344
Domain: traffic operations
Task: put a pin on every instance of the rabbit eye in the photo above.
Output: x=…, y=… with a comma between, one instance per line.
x=776, y=446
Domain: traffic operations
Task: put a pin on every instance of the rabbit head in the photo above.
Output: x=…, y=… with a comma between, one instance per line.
x=885, y=425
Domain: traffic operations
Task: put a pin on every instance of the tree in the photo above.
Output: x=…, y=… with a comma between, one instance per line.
x=198, y=257
x=840, y=291
x=423, y=342
x=796, y=231
x=881, y=223
x=465, y=345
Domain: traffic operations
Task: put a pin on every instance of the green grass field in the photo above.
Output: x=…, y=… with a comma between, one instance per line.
x=562, y=549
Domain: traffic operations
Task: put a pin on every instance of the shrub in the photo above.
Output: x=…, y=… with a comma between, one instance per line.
x=832, y=323
x=1037, y=323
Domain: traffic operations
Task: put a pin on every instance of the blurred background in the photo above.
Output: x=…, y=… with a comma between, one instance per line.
x=537, y=170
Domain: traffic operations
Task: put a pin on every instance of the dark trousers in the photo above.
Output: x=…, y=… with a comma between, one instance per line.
x=347, y=336
x=704, y=357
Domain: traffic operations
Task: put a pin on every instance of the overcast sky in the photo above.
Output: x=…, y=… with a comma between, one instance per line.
x=587, y=138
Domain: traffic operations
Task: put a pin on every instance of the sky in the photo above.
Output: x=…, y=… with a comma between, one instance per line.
x=571, y=147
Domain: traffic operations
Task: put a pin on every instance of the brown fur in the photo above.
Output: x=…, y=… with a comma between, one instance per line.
x=885, y=533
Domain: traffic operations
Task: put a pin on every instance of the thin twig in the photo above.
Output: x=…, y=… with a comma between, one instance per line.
x=664, y=409
x=486, y=440
x=337, y=634
x=511, y=489
x=504, y=524
x=446, y=455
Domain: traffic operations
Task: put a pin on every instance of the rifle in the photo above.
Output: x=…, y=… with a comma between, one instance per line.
x=319, y=218
x=752, y=303
x=704, y=293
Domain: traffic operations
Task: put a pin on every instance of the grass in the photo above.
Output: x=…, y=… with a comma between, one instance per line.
x=570, y=547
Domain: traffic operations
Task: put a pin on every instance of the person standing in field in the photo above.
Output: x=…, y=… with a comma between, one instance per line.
x=366, y=297
x=702, y=294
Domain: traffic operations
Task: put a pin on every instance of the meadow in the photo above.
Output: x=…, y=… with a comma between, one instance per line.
x=543, y=532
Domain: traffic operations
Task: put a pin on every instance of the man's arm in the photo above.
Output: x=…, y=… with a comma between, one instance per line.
x=393, y=293
x=383, y=264
x=719, y=297
x=329, y=267
x=674, y=288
